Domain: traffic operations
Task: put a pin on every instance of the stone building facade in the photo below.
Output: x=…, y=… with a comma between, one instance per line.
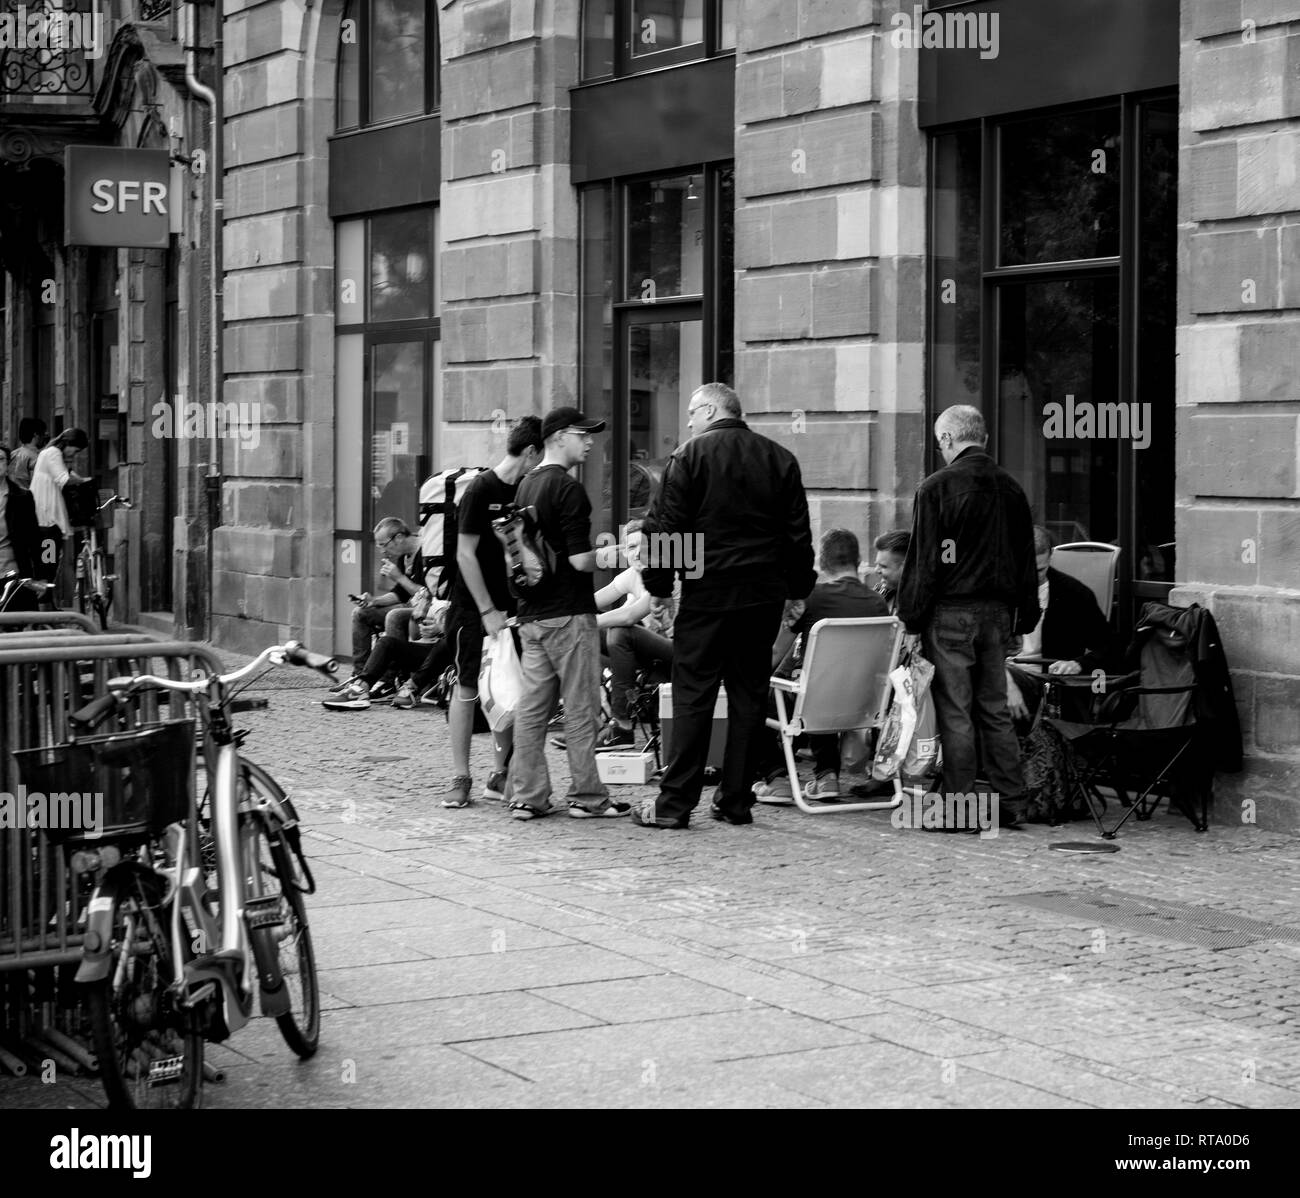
x=609, y=202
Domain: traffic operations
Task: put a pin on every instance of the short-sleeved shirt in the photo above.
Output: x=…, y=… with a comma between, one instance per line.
x=484, y=500
x=564, y=517
x=840, y=599
x=21, y=464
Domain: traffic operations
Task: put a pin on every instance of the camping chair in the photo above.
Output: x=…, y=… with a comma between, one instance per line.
x=843, y=686
x=1094, y=564
x=1146, y=742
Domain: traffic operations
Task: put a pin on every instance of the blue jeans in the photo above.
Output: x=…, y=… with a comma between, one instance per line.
x=967, y=643
x=562, y=653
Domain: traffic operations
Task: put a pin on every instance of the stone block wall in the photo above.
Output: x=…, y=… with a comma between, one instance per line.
x=1238, y=483
x=830, y=225
x=509, y=219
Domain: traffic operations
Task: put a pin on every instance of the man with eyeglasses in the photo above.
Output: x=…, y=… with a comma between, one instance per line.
x=739, y=497
x=557, y=629
x=388, y=613
x=970, y=583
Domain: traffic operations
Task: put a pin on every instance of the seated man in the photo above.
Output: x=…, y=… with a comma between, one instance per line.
x=633, y=637
x=840, y=594
x=891, y=553
x=390, y=612
x=1072, y=630
x=423, y=660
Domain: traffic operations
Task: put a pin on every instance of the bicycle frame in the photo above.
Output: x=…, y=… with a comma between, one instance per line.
x=219, y=956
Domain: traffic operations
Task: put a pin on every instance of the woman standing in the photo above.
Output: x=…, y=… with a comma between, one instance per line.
x=17, y=531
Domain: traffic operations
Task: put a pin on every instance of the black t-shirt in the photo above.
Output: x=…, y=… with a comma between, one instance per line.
x=840, y=599
x=564, y=516
x=483, y=502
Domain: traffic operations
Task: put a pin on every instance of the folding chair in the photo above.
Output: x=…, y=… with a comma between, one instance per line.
x=1146, y=742
x=843, y=686
x=1094, y=564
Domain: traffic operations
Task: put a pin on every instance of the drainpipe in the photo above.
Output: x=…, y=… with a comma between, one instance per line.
x=206, y=95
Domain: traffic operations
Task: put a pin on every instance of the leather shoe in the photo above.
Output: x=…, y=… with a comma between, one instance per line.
x=730, y=817
x=644, y=817
x=1011, y=813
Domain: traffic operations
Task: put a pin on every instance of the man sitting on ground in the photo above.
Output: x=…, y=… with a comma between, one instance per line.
x=388, y=613
x=840, y=594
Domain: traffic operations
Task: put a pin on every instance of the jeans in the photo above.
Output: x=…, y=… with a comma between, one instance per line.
x=561, y=653
x=732, y=648
x=366, y=621
x=631, y=647
x=967, y=643
x=424, y=661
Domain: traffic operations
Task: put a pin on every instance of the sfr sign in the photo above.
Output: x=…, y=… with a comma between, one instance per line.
x=117, y=197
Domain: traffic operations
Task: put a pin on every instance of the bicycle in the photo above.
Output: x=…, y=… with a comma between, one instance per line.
x=169, y=961
x=12, y=585
x=94, y=582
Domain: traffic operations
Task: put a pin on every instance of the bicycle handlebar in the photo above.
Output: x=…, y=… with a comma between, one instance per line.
x=300, y=656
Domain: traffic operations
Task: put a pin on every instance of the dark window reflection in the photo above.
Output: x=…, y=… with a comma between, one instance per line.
x=349, y=69
x=956, y=263
x=397, y=55
x=665, y=25
x=726, y=282
x=665, y=238
x=1060, y=187
x=401, y=266
x=1059, y=351
x=597, y=38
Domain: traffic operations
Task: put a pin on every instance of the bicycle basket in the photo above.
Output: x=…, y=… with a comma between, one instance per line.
x=124, y=785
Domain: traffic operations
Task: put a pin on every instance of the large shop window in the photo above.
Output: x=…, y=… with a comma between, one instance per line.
x=1053, y=253
x=388, y=62
x=657, y=315
x=621, y=37
x=388, y=372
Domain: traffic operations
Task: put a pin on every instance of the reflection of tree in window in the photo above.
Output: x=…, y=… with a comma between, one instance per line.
x=400, y=266
x=397, y=58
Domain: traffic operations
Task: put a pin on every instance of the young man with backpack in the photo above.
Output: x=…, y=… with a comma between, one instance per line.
x=481, y=602
x=557, y=627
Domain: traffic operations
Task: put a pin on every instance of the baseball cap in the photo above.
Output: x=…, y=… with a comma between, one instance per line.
x=559, y=418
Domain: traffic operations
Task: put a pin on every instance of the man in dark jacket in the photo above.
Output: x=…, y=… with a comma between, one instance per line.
x=969, y=585
x=731, y=517
x=18, y=537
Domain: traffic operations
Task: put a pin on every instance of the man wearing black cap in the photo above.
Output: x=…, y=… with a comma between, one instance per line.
x=557, y=628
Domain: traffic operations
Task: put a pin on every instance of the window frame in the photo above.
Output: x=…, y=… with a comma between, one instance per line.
x=432, y=70
x=625, y=63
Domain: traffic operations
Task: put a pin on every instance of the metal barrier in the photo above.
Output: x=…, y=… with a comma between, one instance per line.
x=46, y=619
x=45, y=675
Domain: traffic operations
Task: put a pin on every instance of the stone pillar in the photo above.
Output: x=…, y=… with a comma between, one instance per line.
x=1238, y=477
x=830, y=175
x=509, y=219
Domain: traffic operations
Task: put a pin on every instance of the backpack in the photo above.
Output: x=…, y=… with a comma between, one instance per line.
x=530, y=560
x=440, y=497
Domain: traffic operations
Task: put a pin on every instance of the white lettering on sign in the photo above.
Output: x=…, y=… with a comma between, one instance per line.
x=114, y=195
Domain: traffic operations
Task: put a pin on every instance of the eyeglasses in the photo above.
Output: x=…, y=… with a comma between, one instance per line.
x=382, y=545
x=580, y=432
x=692, y=410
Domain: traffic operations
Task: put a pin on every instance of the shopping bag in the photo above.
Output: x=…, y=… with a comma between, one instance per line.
x=895, y=752
x=921, y=760
x=500, y=680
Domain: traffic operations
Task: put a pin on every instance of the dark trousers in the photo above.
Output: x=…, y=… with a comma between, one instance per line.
x=424, y=661
x=732, y=648
x=632, y=647
x=967, y=643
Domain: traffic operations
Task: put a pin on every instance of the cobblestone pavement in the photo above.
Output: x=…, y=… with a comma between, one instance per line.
x=469, y=959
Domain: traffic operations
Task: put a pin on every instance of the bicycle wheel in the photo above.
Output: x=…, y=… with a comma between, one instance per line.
x=150, y=1051
x=273, y=871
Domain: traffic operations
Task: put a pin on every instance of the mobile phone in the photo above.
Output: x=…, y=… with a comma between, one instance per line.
x=356, y=598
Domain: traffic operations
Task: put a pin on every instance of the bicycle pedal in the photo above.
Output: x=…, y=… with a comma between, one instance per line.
x=263, y=912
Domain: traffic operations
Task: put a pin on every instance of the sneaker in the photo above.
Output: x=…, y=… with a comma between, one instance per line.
x=776, y=793
x=405, y=697
x=873, y=788
x=645, y=815
x=339, y=687
x=614, y=737
x=524, y=811
x=556, y=722
x=824, y=787
x=559, y=742
x=610, y=810
x=460, y=788
x=429, y=697
x=383, y=691
x=354, y=697
x=495, y=787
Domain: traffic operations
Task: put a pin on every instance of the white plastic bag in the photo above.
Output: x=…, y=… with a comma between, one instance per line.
x=500, y=680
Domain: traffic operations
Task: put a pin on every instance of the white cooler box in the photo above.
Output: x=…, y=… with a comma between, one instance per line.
x=628, y=768
x=718, y=741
